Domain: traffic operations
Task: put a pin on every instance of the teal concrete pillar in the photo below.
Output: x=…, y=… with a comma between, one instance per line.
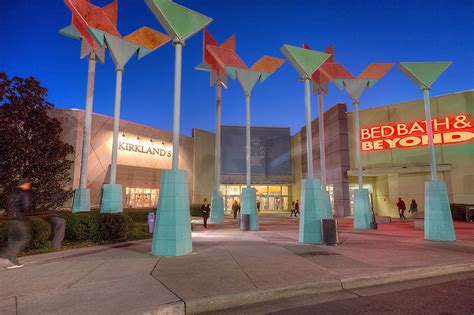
x=82, y=200
x=172, y=234
x=249, y=206
x=438, y=218
x=217, y=207
x=362, y=210
x=311, y=212
x=111, y=201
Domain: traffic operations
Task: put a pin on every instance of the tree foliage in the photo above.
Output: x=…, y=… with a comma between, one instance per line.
x=30, y=144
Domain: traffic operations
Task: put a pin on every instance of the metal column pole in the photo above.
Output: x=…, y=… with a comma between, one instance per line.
x=359, y=163
x=86, y=139
x=218, y=135
x=322, y=142
x=118, y=96
x=429, y=130
x=309, y=140
x=177, y=102
x=247, y=137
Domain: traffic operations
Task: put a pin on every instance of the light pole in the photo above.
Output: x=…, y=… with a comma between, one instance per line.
x=172, y=234
x=306, y=62
x=211, y=63
x=81, y=200
x=363, y=216
x=438, y=219
x=248, y=78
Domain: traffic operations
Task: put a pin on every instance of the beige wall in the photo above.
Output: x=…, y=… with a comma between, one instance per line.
x=401, y=172
x=135, y=169
x=204, y=165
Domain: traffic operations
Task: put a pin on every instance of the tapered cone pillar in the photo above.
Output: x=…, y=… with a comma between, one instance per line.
x=217, y=207
x=82, y=200
x=249, y=206
x=172, y=234
x=362, y=211
x=438, y=219
x=312, y=211
x=111, y=201
x=326, y=204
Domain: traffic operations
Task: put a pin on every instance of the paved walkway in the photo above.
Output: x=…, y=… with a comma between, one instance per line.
x=227, y=268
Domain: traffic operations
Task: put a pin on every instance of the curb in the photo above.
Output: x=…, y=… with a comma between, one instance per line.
x=220, y=302
x=165, y=309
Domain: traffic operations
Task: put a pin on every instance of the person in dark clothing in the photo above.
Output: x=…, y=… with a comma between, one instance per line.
x=235, y=208
x=258, y=205
x=401, y=208
x=205, y=211
x=413, y=207
x=18, y=228
x=297, y=208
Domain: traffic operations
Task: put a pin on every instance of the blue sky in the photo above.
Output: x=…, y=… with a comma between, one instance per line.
x=362, y=31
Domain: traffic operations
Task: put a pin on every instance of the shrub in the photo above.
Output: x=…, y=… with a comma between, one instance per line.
x=82, y=227
x=115, y=227
x=40, y=232
x=195, y=210
x=139, y=215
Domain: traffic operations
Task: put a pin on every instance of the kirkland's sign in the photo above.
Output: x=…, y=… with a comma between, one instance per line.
x=446, y=130
x=145, y=148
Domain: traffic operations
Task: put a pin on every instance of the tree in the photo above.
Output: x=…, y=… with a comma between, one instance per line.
x=30, y=144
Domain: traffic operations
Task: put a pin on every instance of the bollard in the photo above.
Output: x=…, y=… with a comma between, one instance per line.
x=151, y=222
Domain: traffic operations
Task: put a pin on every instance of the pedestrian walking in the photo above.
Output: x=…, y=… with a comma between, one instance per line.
x=293, y=209
x=401, y=208
x=205, y=211
x=18, y=227
x=297, y=208
x=413, y=207
x=235, y=208
x=258, y=205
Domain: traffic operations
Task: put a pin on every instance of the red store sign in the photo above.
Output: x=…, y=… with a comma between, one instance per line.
x=447, y=130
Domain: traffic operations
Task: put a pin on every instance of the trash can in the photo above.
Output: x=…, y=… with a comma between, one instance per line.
x=151, y=222
x=244, y=222
x=329, y=231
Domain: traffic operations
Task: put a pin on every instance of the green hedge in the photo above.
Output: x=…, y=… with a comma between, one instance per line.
x=195, y=210
x=40, y=232
x=100, y=227
x=138, y=215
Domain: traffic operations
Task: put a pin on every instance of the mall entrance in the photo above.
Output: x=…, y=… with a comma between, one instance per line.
x=272, y=198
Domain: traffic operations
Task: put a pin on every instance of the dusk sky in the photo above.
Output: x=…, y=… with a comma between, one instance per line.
x=362, y=32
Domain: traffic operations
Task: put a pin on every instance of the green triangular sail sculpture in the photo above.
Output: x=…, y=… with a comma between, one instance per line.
x=438, y=224
x=424, y=74
x=305, y=61
x=179, y=22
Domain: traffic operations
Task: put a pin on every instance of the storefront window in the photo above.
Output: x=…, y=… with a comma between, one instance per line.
x=141, y=197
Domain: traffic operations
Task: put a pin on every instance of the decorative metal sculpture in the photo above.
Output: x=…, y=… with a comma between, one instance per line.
x=363, y=216
x=328, y=72
x=438, y=220
x=81, y=201
x=172, y=235
x=248, y=78
x=218, y=77
x=98, y=26
x=307, y=62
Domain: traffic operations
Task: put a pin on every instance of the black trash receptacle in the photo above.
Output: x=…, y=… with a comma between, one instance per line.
x=244, y=222
x=329, y=232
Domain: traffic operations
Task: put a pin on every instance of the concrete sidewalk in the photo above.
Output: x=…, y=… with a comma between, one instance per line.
x=227, y=268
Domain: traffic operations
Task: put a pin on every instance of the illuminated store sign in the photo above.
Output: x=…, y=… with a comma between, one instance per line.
x=447, y=130
x=141, y=147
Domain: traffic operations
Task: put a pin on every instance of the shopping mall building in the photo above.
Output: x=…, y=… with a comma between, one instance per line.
x=393, y=143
